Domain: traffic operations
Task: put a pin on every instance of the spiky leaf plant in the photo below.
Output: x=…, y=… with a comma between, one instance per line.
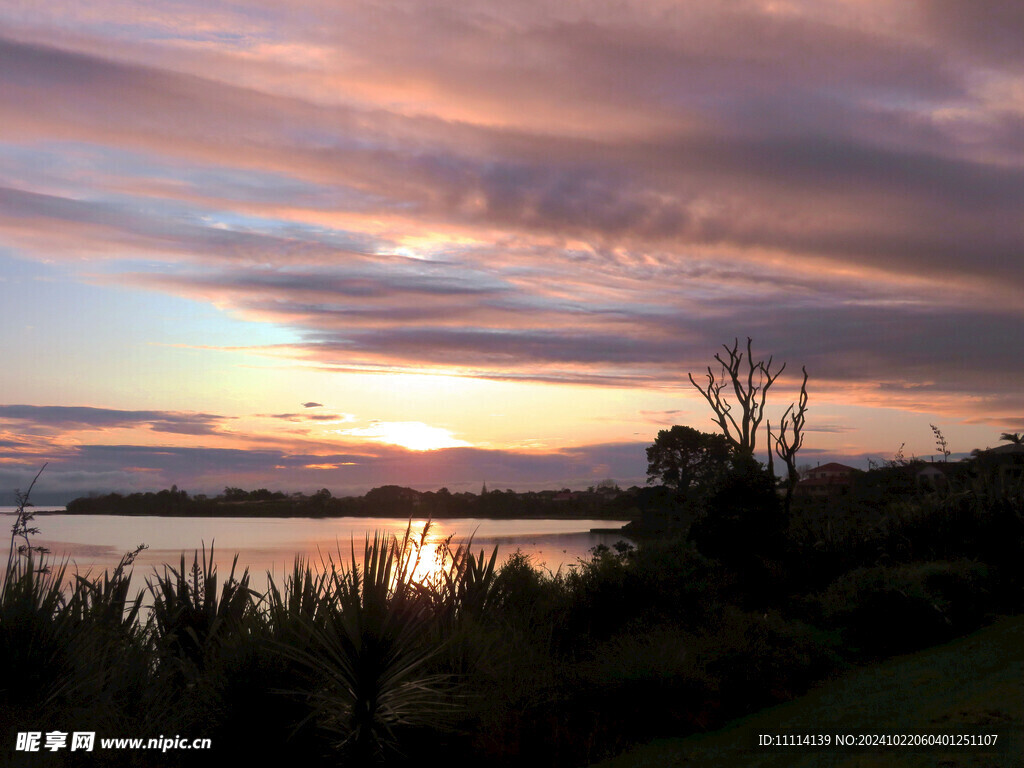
x=373, y=653
x=111, y=653
x=35, y=633
x=189, y=618
x=301, y=602
x=468, y=582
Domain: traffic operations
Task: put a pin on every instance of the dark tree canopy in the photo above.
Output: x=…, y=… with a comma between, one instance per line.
x=683, y=457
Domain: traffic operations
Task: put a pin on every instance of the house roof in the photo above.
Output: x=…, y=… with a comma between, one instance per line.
x=1010, y=448
x=833, y=467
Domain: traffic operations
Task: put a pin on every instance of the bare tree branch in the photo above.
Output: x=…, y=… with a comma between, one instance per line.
x=750, y=396
x=791, y=438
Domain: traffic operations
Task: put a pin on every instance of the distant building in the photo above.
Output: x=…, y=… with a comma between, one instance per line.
x=830, y=479
x=1005, y=465
x=936, y=475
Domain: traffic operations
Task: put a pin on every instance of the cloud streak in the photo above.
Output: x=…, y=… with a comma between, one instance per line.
x=57, y=418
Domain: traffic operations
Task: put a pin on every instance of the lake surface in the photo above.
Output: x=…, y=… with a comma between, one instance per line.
x=93, y=543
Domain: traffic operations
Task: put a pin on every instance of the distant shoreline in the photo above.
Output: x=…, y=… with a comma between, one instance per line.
x=307, y=516
x=391, y=501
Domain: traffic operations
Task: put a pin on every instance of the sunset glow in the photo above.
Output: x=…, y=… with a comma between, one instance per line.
x=414, y=435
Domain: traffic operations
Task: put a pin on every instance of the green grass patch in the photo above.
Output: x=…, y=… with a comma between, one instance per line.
x=974, y=685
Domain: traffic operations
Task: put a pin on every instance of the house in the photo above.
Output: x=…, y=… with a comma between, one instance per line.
x=937, y=475
x=830, y=479
x=1005, y=465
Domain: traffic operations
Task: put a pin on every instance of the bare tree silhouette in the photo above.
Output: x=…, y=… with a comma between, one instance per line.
x=791, y=438
x=750, y=395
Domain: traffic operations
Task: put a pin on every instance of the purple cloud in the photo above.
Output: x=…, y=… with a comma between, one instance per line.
x=57, y=417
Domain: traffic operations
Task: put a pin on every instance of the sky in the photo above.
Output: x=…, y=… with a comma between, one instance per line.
x=435, y=243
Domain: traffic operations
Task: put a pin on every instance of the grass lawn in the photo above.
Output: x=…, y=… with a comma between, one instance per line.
x=974, y=685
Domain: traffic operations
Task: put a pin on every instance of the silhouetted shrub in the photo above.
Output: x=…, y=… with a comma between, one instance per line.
x=743, y=523
x=964, y=525
x=884, y=610
x=651, y=684
x=823, y=544
x=680, y=584
x=759, y=659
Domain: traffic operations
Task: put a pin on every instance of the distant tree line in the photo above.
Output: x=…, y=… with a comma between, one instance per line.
x=604, y=500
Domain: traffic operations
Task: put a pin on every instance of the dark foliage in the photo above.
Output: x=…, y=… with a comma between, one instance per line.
x=685, y=459
x=742, y=522
x=506, y=664
x=885, y=610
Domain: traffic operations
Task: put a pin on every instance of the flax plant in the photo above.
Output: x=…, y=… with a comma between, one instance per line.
x=190, y=618
x=301, y=602
x=104, y=601
x=22, y=530
x=34, y=624
x=111, y=647
x=468, y=582
x=35, y=641
x=464, y=603
x=373, y=652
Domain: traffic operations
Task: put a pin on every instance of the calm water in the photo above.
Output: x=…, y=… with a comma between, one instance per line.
x=97, y=542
